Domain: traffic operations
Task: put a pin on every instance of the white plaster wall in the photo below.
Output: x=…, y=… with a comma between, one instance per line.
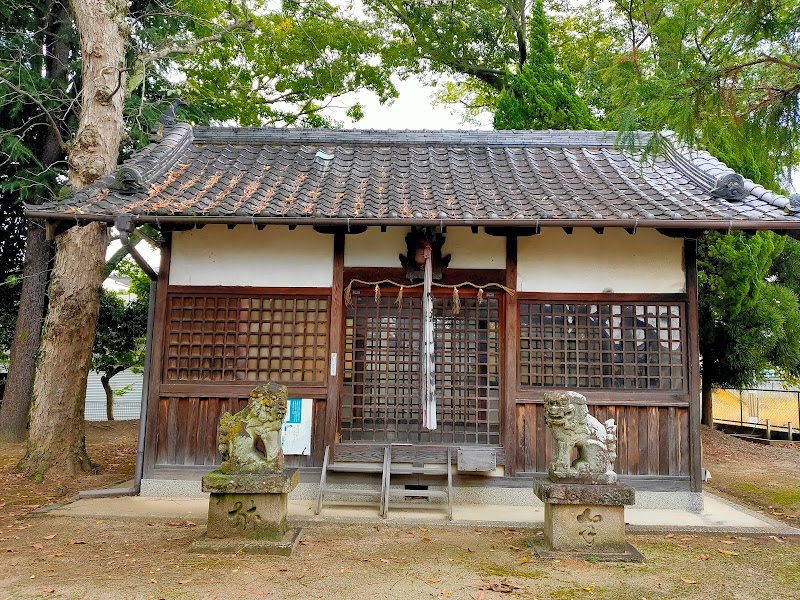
x=469, y=251
x=245, y=256
x=474, y=250
x=585, y=262
x=374, y=248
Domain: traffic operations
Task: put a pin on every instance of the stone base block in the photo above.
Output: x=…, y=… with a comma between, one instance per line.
x=615, y=494
x=219, y=482
x=585, y=520
x=584, y=528
x=630, y=554
x=281, y=547
x=252, y=516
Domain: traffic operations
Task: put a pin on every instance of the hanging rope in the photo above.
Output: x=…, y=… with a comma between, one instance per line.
x=348, y=291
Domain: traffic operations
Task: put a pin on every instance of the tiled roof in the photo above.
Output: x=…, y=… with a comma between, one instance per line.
x=451, y=177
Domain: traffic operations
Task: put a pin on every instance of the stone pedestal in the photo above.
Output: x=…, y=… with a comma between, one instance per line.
x=585, y=520
x=248, y=512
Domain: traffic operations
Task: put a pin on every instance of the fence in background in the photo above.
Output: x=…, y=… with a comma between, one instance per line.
x=126, y=405
x=768, y=410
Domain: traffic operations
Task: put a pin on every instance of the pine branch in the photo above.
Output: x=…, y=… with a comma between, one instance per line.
x=46, y=112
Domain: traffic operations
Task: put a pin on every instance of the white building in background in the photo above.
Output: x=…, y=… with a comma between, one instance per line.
x=126, y=405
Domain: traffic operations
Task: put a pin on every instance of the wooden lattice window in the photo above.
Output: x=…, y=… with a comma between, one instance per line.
x=247, y=338
x=381, y=399
x=602, y=345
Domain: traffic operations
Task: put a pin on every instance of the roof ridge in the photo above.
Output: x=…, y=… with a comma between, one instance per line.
x=477, y=137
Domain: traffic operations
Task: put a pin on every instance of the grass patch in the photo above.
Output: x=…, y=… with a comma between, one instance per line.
x=498, y=571
x=785, y=498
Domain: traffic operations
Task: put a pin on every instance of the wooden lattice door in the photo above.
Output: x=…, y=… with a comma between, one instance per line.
x=381, y=395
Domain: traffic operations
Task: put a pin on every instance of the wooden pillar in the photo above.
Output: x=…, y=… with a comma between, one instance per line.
x=693, y=362
x=508, y=374
x=335, y=342
x=157, y=358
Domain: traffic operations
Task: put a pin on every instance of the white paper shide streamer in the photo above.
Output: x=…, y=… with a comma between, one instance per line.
x=428, y=374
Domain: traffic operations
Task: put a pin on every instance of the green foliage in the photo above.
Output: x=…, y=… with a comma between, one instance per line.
x=722, y=75
x=748, y=321
x=122, y=327
x=541, y=96
x=299, y=59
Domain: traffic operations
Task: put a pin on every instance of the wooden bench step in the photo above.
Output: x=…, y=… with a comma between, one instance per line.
x=419, y=493
x=387, y=468
x=404, y=470
x=354, y=468
x=353, y=491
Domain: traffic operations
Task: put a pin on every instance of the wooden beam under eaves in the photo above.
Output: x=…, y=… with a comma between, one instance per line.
x=474, y=229
x=292, y=227
x=599, y=230
x=260, y=226
x=630, y=230
x=567, y=230
x=512, y=231
x=231, y=225
x=343, y=229
x=199, y=225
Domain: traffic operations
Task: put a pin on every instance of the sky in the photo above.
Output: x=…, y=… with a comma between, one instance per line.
x=414, y=109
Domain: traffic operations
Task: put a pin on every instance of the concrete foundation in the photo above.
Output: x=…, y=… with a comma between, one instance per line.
x=687, y=501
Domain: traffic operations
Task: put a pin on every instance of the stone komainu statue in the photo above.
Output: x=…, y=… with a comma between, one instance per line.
x=573, y=427
x=250, y=440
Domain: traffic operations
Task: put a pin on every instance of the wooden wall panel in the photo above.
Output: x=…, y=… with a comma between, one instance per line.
x=652, y=440
x=186, y=432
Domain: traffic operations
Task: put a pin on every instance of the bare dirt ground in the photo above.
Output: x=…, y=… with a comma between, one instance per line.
x=766, y=478
x=59, y=557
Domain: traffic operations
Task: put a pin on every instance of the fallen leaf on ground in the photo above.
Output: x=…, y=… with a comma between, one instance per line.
x=76, y=542
x=385, y=560
x=427, y=540
x=525, y=559
x=37, y=546
x=515, y=548
x=669, y=535
x=727, y=552
x=728, y=542
x=689, y=581
x=184, y=581
x=51, y=536
x=704, y=557
x=424, y=530
x=48, y=590
x=306, y=543
x=432, y=580
x=777, y=539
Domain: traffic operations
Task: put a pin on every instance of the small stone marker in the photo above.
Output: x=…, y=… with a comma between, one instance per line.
x=248, y=506
x=584, y=505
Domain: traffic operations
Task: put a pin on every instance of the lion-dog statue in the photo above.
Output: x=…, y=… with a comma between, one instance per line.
x=573, y=427
x=250, y=440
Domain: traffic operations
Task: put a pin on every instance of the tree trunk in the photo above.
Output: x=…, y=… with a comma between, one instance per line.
x=707, y=397
x=57, y=430
x=106, y=381
x=14, y=410
x=59, y=393
x=22, y=362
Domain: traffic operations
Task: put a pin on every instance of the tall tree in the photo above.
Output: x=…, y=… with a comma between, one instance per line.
x=748, y=321
x=541, y=96
x=722, y=75
x=34, y=80
x=114, y=44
